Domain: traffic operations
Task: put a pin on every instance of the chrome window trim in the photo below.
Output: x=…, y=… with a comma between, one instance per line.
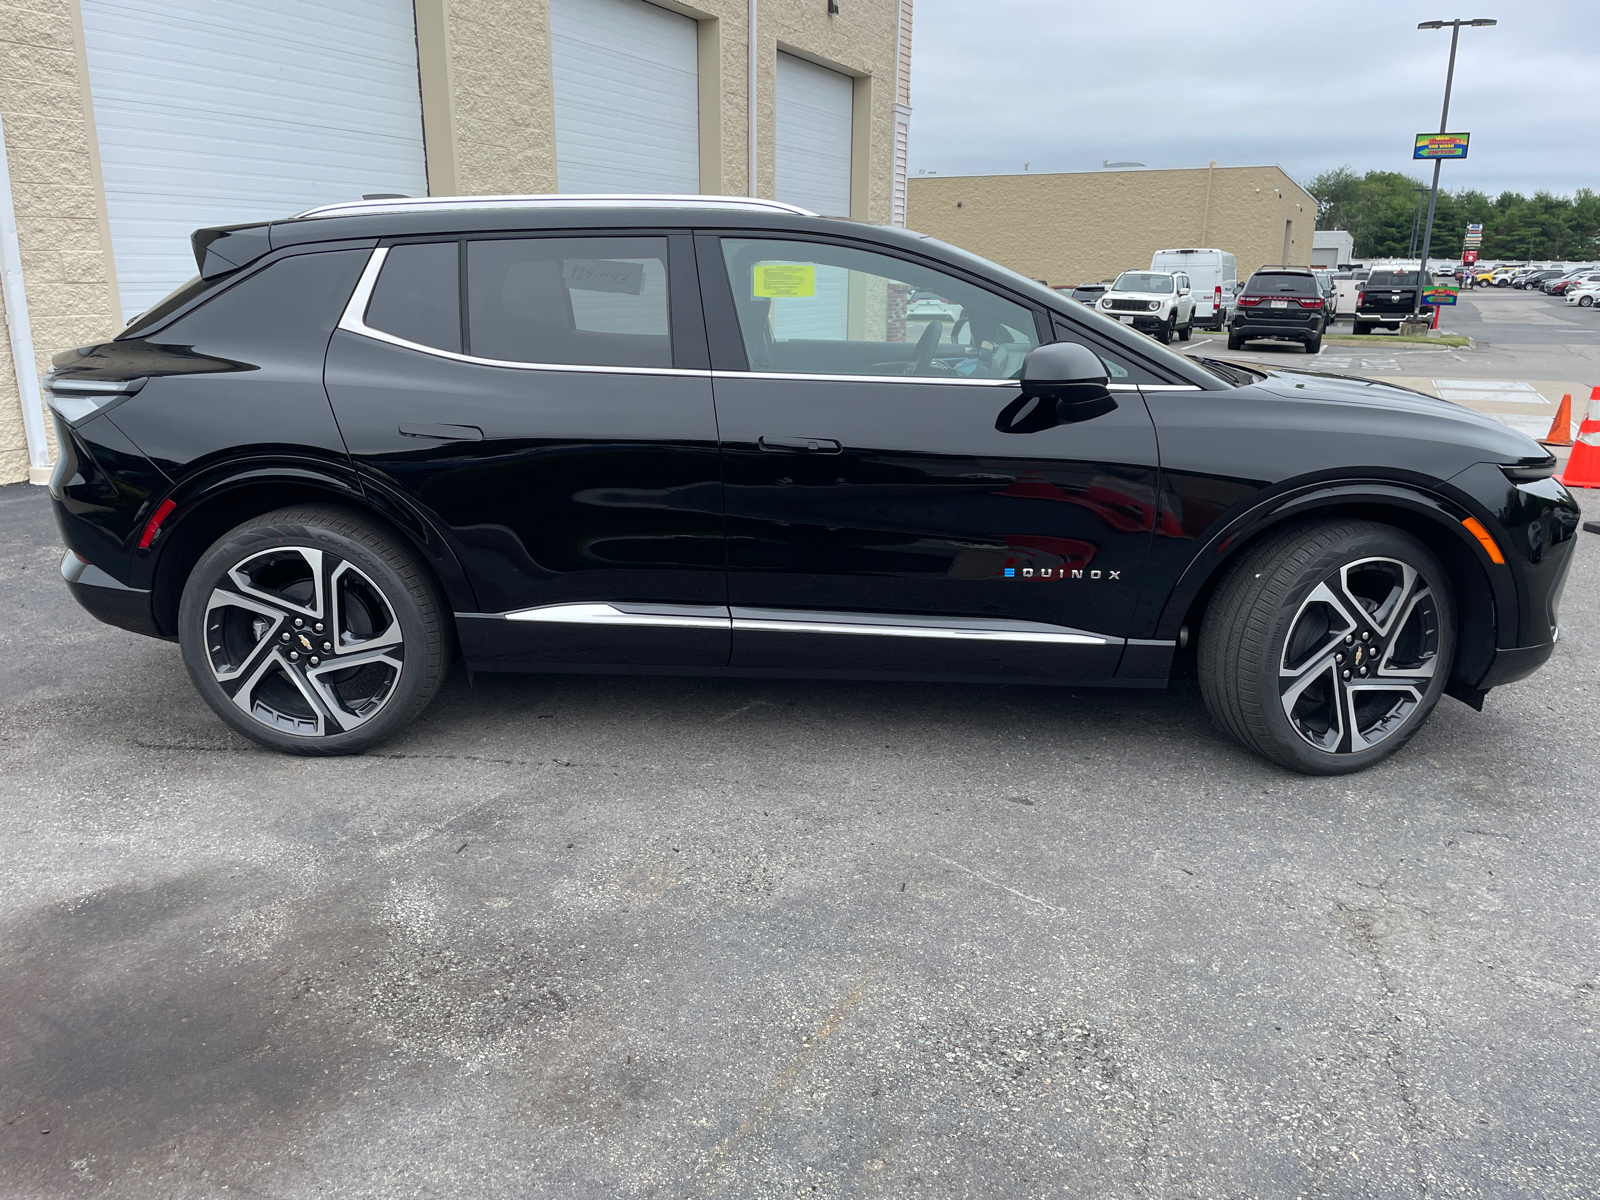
x=785, y=620
x=818, y=378
x=416, y=204
x=353, y=320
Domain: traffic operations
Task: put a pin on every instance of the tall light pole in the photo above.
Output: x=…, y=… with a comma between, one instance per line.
x=1444, y=118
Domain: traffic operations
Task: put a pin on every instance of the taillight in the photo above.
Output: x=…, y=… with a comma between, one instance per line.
x=1219, y=293
x=154, y=526
x=1314, y=303
x=1251, y=301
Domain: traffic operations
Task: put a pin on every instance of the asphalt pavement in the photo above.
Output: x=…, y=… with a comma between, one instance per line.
x=654, y=937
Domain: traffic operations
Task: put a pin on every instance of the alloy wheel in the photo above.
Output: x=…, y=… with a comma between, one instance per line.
x=1360, y=654
x=303, y=642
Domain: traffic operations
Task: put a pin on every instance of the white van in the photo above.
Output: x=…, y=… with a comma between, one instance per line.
x=1213, y=278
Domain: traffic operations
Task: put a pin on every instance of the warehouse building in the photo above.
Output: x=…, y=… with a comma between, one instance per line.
x=1084, y=226
x=129, y=123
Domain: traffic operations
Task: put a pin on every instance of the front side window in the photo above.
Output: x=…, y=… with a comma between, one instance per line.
x=814, y=308
x=584, y=301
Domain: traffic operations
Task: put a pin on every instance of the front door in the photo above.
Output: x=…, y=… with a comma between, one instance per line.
x=887, y=511
x=546, y=403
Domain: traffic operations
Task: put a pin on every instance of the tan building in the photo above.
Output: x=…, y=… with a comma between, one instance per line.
x=129, y=123
x=1091, y=225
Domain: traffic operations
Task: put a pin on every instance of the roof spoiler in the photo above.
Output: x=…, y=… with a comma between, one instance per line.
x=226, y=248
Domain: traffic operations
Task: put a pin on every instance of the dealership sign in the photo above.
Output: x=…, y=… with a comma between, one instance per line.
x=1441, y=145
x=1439, y=295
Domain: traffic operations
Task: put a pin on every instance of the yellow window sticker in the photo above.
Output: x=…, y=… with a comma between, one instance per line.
x=785, y=279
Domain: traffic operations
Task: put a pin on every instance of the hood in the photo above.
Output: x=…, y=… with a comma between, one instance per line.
x=1401, y=412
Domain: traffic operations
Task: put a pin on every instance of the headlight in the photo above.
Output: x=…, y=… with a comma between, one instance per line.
x=76, y=399
x=1154, y=306
x=1105, y=303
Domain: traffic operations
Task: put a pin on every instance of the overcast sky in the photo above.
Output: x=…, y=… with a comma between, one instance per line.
x=1063, y=85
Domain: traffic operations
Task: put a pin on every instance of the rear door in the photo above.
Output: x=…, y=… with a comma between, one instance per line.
x=545, y=402
x=888, y=511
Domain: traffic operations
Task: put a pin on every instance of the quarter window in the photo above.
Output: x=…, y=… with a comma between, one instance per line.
x=812, y=308
x=418, y=296
x=584, y=301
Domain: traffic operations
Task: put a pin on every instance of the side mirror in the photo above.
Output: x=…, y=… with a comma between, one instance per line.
x=1061, y=383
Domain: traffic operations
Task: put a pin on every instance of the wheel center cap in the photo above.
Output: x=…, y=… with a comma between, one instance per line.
x=304, y=642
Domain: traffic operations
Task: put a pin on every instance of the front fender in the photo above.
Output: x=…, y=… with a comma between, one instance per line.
x=1354, y=497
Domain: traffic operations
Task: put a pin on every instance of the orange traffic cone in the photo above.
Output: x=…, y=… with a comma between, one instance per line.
x=1583, y=468
x=1561, y=428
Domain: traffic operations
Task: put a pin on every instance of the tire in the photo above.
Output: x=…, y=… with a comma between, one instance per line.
x=1188, y=330
x=1235, y=341
x=1314, y=346
x=1165, y=336
x=1291, y=618
x=1361, y=328
x=1585, y=301
x=261, y=613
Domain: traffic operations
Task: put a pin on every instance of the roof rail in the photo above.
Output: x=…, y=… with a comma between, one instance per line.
x=355, y=208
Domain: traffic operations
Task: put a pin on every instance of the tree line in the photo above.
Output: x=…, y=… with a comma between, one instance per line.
x=1386, y=211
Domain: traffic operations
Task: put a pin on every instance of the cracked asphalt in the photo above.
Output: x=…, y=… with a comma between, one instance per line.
x=609, y=937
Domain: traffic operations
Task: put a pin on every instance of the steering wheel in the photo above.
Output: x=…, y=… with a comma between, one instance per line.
x=922, y=357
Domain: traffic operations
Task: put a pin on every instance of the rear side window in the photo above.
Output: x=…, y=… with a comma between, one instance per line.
x=290, y=305
x=418, y=295
x=584, y=301
x=1282, y=284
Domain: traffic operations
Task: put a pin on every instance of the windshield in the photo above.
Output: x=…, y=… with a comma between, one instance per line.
x=1143, y=281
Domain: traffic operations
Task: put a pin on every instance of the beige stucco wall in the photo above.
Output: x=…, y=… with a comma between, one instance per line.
x=496, y=57
x=61, y=229
x=1086, y=226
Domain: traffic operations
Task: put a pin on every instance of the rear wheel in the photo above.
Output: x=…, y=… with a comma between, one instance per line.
x=1361, y=327
x=1235, y=341
x=311, y=631
x=1326, y=648
x=1314, y=345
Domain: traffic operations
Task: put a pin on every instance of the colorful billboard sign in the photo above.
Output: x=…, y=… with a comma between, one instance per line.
x=1441, y=145
x=1469, y=257
x=1439, y=295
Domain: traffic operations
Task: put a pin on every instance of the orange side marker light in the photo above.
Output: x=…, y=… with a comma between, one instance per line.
x=1476, y=529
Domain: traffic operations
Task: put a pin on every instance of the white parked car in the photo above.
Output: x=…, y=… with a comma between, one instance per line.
x=1160, y=303
x=1213, y=280
x=925, y=306
x=1585, y=296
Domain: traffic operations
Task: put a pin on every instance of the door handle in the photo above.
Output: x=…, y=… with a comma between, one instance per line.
x=798, y=445
x=444, y=433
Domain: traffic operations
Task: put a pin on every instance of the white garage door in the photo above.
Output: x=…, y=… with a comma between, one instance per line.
x=814, y=110
x=213, y=112
x=627, y=96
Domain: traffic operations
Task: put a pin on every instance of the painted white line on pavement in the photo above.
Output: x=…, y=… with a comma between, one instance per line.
x=1489, y=391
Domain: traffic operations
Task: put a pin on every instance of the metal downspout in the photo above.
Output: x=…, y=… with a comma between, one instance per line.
x=750, y=36
x=16, y=302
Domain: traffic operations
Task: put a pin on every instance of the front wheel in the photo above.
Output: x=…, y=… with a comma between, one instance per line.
x=1326, y=648
x=1165, y=336
x=1585, y=301
x=311, y=631
x=1186, y=331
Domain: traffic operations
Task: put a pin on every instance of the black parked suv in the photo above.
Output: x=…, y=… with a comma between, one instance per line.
x=1286, y=303
x=704, y=436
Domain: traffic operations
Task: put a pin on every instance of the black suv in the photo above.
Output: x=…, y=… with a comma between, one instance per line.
x=1286, y=303
x=704, y=436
